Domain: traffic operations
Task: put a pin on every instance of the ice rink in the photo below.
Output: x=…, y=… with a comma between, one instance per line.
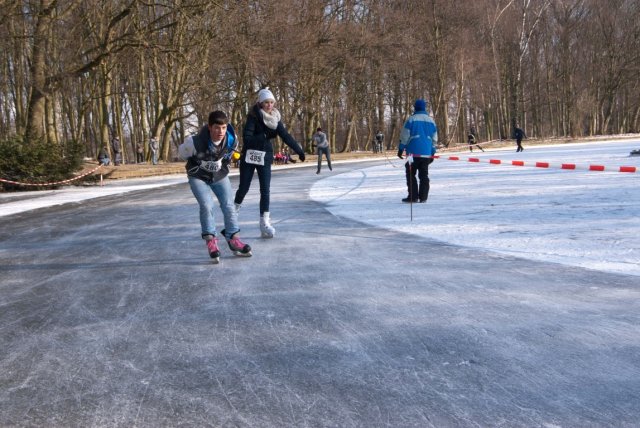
x=509, y=299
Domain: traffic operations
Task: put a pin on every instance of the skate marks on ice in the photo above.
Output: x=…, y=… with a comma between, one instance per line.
x=332, y=323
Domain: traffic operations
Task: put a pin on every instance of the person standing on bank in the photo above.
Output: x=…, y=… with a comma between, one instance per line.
x=260, y=131
x=153, y=146
x=322, y=144
x=139, y=153
x=117, y=151
x=418, y=138
x=208, y=155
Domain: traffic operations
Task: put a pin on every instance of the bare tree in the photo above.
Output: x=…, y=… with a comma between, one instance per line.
x=93, y=69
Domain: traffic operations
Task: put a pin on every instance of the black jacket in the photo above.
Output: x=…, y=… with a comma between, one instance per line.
x=257, y=136
x=204, y=156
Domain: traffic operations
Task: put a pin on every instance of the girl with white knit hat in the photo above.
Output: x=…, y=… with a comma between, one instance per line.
x=260, y=131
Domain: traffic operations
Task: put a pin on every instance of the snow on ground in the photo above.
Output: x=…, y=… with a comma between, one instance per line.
x=575, y=217
x=17, y=202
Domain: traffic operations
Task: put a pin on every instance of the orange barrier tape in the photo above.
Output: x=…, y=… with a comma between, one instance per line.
x=52, y=183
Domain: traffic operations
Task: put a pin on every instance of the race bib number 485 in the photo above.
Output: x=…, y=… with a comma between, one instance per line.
x=255, y=157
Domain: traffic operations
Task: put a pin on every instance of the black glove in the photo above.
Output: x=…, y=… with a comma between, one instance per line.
x=400, y=153
x=301, y=156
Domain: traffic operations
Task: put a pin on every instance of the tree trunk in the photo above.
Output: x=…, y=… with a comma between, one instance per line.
x=36, y=110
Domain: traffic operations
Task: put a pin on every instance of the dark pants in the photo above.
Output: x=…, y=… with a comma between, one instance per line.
x=519, y=143
x=264, y=177
x=324, y=150
x=421, y=167
x=139, y=157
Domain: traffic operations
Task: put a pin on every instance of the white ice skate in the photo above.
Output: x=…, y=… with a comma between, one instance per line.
x=265, y=226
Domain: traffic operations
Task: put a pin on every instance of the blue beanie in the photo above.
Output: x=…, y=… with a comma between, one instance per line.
x=420, y=105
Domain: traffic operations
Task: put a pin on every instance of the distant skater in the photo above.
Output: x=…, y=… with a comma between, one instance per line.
x=322, y=146
x=472, y=140
x=519, y=134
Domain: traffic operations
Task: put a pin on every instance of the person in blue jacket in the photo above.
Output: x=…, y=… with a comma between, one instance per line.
x=208, y=155
x=418, y=139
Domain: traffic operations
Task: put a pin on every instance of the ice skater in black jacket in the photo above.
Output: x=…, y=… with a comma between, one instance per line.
x=472, y=140
x=260, y=131
x=519, y=134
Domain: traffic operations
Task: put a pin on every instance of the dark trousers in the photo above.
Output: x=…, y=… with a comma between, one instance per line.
x=264, y=177
x=139, y=157
x=519, y=143
x=421, y=167
x=324, y=150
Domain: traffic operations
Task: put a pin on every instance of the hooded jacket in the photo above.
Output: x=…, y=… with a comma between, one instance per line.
x=205, y=160
x=419, y=135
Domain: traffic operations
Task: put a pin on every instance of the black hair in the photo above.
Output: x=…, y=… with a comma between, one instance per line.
x=218, y=118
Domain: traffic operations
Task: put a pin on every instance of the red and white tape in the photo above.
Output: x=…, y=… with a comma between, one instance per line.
x=570, y=166
x=52, y=183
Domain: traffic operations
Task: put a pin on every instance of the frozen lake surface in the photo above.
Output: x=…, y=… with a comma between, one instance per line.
x=489, y=308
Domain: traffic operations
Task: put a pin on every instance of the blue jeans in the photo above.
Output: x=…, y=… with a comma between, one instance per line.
x=264, y=176
x=154, y=157
x=204, y=195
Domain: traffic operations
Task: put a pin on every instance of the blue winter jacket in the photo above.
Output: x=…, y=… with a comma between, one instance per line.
x=419, y=135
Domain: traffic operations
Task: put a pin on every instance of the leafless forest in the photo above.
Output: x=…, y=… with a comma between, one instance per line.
x=89, y=70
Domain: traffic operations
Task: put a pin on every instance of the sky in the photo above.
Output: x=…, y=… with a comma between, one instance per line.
x=582, y=218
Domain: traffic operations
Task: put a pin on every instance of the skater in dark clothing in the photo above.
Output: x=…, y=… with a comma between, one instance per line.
x=419, y=138
x=262, y=127
x=472, y=140
x=208, y=155
x=519, y=134
x=377, y=148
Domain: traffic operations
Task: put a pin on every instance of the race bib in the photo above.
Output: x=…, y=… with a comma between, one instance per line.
x=211, y=166
x=255, y=157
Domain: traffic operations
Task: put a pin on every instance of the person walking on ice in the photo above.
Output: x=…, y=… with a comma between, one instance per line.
x=262, y=127
x=208, y=155
x=418, y=138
